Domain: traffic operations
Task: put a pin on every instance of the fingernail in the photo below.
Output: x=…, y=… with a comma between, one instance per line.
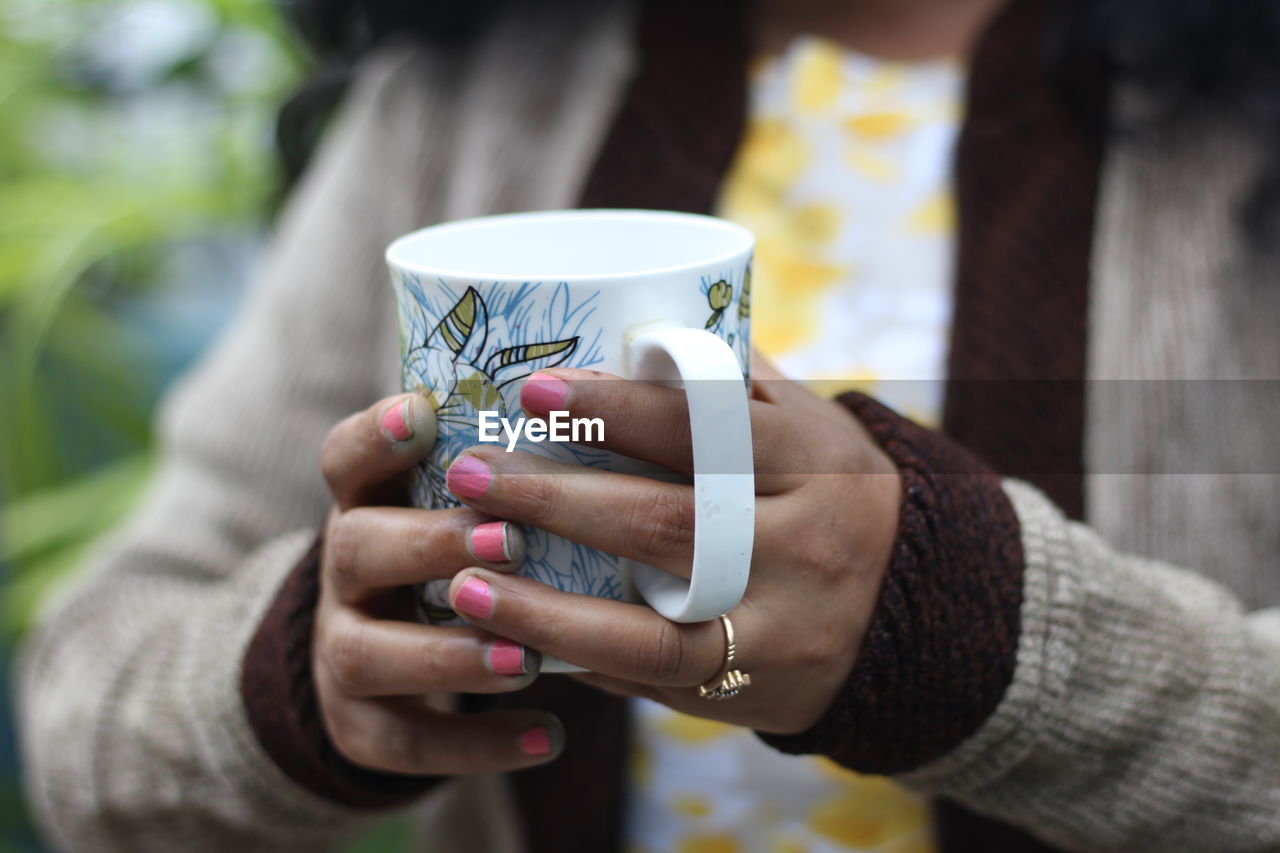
x=543, y=393
x=536, y=741
x=489, y=542
x=396, y=421
x=468, y=477
x=474, y=598
x=506, y=658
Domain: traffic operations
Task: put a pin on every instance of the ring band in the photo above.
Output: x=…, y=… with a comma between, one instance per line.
x=730, y=682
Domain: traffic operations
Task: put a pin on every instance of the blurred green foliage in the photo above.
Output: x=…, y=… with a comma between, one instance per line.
x=129, y=130
x=126, y=129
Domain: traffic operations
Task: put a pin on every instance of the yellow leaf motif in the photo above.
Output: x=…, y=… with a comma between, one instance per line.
x=477, y=390
x=457, y=325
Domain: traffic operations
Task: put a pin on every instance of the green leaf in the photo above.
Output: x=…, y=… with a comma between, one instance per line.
x=45, y=534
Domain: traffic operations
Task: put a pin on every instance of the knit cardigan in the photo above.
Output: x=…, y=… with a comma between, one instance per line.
x=1018, y=662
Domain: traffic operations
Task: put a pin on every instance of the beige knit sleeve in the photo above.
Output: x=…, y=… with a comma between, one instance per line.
x=1144, y=713
x=133, y=731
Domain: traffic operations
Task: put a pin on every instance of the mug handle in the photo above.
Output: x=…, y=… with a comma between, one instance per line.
x=723, y=480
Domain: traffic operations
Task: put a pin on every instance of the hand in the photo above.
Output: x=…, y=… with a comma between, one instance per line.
x=826, y=518
x=382, y=678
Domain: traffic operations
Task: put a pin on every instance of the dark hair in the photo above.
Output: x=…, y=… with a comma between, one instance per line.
x=1195, y=58
x=1213, y=60
x=338, y=33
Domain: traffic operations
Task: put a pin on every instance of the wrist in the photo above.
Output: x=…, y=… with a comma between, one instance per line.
x=942, y=641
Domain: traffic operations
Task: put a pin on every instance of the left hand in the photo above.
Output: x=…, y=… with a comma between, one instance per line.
x=826, y=517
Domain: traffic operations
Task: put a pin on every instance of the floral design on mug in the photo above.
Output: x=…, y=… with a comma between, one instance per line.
x=456, y=348
x=467, y=351
x=719, y=297
x=732, y=327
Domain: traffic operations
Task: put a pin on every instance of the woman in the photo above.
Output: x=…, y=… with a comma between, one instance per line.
x=219, y=679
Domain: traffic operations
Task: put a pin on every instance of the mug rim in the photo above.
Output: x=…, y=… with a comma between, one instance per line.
x=396, y=250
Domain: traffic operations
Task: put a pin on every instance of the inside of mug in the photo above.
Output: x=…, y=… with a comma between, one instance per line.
x=568, y=244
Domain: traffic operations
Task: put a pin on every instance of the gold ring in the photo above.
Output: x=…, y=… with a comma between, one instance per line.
x=730, y=682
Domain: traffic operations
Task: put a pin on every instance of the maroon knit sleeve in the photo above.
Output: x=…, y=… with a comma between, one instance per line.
x=279, y=697
x=941, y=646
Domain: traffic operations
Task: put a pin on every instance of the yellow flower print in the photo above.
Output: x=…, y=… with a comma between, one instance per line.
x=872, y=165
x=885, y=79
x=692, y=729
x=787, y=844
x=920, y=842
x=867, y=811
x=719, y=296
x=878, y=125
x=815, y=223
x=691, y=805
x=819, y=76
x=935, y=216
x=641, y=764
x=772, y=155
x=709, y=844
x=785, y=298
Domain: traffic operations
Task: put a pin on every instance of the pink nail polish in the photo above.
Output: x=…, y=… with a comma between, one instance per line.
x=468, y=477
x=489, y=541
x=395, y=422
x=536, y=741
x=474, y=598
x=543, y=393
x=506, y=658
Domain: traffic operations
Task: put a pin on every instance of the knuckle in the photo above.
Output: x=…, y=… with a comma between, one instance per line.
x=538, y=495
x=424, y=539
x=661, y=659
x=342, y=544
x=406, y=742
x=347, y=657
x=823, y=557
x=431, y=664
x=661, y=524
x=482, y=752
x=545, y=635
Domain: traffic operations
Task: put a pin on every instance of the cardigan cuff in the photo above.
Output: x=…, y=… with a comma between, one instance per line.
x=279, y=696
x=941, y=647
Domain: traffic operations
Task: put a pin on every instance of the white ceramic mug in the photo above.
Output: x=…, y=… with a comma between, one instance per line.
x=647, y=295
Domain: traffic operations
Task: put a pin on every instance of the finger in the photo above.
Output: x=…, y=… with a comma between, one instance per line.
x=375, y=548
x=618, y=687
x=626, y=641
x=370, y=448
x=399, y=736
x=651, y=422
x=631, y=516
x=374, y=657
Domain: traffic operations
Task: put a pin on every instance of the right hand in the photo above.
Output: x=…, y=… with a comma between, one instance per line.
x=382, y=677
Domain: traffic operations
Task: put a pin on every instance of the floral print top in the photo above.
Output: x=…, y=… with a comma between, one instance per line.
x=844, y=176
